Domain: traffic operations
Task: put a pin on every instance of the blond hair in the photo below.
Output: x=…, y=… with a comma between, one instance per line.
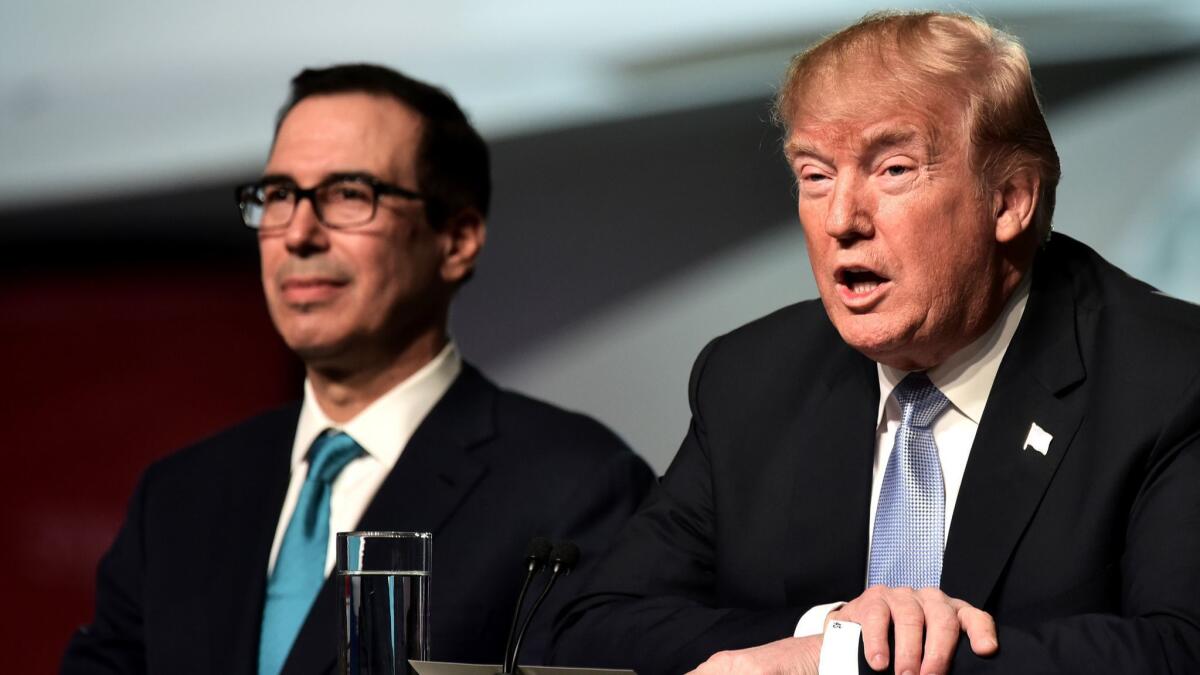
x=918, y=55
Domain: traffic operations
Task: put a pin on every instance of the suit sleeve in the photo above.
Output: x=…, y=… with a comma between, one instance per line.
x=1158, y=630
x=651, y=604
x=601, y=503
x=113, y=642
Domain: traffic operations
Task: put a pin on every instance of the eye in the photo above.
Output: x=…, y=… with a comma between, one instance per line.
x=276, y=192
x=811, y=175
x=813, y=181
x=349, y=192
x=897, y=170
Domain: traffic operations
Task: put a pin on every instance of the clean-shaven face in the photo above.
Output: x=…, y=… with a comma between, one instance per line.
x=345, y=294
x=902, y=247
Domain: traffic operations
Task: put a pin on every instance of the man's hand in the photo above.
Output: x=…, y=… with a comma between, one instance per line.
x=789, y=656
x=928, y=616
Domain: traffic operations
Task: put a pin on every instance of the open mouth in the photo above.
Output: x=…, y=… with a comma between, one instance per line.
x=860, y=281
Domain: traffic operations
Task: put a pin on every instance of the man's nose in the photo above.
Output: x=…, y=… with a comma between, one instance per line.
x=850, y=209
x=304, y=232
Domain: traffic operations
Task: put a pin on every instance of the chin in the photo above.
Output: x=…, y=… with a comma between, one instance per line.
x=878, y=340
x=314, y=348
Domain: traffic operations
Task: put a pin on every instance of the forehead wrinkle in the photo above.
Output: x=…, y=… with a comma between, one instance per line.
x=855, y=105
x=864, y=144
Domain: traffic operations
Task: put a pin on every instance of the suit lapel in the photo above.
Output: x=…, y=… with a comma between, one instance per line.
x=434, y=474
x=834, y=443
x=251, y=496
x=1004, y=482
x=437, y=470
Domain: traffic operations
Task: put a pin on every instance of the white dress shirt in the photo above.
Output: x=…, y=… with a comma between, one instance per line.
x=966, y=380
x=383, y=428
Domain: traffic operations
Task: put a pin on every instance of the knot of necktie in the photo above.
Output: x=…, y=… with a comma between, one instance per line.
x=920, y=401
x=330, y=454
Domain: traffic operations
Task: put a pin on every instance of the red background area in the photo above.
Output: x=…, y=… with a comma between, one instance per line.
x=105, y=373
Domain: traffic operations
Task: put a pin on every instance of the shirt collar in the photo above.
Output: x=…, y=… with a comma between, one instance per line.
x=966, y=377
x=384, y=427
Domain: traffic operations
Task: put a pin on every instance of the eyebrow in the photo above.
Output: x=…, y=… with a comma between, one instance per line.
x=333, y=177
x=872, y=144
x=796, y=148
x=885, y=139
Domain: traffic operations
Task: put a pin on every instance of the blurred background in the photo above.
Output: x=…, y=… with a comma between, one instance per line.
x=642, y=206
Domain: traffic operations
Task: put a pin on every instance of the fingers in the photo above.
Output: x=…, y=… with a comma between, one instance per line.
x=979, y=626
x=880, y=610
x=926, y=624
x=941, y=632
x=871, y=611
x=908, y=617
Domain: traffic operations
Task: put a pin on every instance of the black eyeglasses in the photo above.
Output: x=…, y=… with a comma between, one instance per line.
x=341, y=200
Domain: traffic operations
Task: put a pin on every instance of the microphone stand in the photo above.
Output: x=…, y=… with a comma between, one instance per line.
x=536, y=556
x=564, y=558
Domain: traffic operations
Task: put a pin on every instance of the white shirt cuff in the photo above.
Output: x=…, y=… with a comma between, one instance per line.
x=813, y=621
x=839, y=649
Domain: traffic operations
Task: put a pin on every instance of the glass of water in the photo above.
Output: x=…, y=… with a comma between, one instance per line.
x=383, y=584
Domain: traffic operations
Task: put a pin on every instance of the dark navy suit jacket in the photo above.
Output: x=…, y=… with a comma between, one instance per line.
x=1087, y=556
x=181, y=591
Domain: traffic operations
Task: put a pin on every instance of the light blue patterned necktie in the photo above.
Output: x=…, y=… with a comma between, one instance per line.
x=300, y=564
x=906, y=547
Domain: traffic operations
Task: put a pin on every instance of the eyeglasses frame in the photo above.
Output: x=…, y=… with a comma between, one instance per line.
x=378, y=186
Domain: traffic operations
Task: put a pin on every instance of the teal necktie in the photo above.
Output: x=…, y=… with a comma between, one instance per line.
x=300, y=564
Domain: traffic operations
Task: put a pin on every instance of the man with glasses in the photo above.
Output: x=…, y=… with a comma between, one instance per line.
x=370, y=214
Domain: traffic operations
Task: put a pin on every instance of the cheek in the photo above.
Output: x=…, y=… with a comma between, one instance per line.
x=381, y=276
x=391, y=270
x=816, y=241
x=951, y=276
x=266, y=253
x=269, y=261
x=818, y=263
x=922, y=238
x=811, y=214
x=930, y=278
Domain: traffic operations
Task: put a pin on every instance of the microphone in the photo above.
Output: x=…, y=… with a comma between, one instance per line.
x=563, y=559
x=536, y=555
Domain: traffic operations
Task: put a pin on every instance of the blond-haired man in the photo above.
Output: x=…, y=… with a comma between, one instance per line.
x=981, y=444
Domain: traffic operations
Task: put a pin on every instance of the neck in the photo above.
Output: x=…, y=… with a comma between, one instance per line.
x=343, y=392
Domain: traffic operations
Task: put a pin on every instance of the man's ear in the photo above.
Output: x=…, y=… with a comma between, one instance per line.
x=1014, y=204
x=462, y=237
